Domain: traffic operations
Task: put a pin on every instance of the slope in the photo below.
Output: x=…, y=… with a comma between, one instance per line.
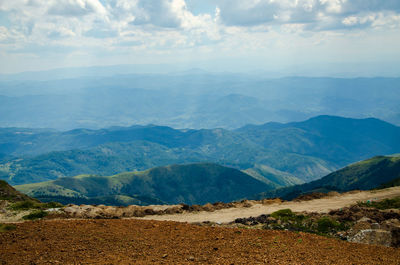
x=306, y=150
x=10, y=194
x=364, y=175
x=192, y=184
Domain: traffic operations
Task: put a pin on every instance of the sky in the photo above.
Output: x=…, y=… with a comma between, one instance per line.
x=362, y=36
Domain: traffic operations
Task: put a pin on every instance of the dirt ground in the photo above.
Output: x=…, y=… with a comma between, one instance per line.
x=322, y=205
x=130, y=241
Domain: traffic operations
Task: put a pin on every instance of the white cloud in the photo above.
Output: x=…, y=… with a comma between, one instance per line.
x=123, y=27
x=315, y=14
x=75, y=7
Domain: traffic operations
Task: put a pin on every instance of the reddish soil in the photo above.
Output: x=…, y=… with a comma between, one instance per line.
x=142, y=242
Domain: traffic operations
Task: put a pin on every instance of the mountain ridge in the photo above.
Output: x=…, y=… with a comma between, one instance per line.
x=363, y=175
x=306, y=150
x=197, y=183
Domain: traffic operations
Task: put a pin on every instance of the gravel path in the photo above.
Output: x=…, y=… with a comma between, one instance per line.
x=318, y=205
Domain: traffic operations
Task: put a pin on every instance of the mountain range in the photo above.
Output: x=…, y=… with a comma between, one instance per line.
x=277, y=154
x=193, y=99
x=198, y=183
x=202, y=183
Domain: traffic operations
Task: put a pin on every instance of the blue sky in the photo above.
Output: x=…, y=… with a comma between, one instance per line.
x=224, y=35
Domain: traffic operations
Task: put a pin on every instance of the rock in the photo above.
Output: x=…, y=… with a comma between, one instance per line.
x=208, y=207
x=164, y=256
x=247, y=203
x=375, y=226
x=69, y=209
x=333, y=194
x=355, y=208
x=372, y=237
x=271, y=201
x=393, y=225
x=362, y=224
x=365, y=219
x=191, y=258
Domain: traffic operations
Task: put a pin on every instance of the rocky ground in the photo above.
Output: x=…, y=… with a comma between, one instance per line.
x=88, y=234
x=354, y=224
x=130, y=241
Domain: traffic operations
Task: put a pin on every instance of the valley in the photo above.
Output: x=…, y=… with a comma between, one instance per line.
x=199, y=132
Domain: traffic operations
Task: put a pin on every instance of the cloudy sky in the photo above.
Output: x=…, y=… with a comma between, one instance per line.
x=223, y=35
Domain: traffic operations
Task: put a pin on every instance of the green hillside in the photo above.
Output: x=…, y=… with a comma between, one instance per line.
x=192, y=184
x=272, y=176
x=364, y=175
x=113, y=158
x=305, y=150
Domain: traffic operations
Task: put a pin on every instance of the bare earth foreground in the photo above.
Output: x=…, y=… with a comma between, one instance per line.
x=138, y=241
x=130, y=241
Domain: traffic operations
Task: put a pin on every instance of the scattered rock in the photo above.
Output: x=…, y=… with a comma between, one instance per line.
x=373, y=237
x=375, y=226
x=310, y=196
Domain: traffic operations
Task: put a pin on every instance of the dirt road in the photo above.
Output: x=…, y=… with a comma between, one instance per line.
x=318, y=205
x=147, y=242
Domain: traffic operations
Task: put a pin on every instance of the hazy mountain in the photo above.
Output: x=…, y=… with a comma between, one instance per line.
x=192, y=184
x=193, y=99
x=364, y=175
x=335, y=139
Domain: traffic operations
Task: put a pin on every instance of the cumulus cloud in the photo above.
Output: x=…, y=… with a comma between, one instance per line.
x=169, y=25
x=75, y=7
x=314, y=14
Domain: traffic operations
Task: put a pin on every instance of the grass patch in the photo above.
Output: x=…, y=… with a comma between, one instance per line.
x=28, y=205
x=382, y=205
x=326, y=225
x=35, y=215
x=300, y=223
x=284, y=214
x=7, y=227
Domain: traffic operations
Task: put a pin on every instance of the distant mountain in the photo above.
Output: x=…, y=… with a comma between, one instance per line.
x=336, y=139
x=192, y=184
x=272, y=177
x=60, y=100
x=278, y=154
x=364, y=175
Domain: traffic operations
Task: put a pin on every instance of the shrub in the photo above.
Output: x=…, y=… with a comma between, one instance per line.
x=24, y=205
x=7, y=227
x=326, y=224
x=35, y=215
x=27, y=205
x=49, y=205
x=283, y=214
x=382, y=205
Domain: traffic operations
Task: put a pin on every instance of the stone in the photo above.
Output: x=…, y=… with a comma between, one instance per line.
x=365, y=219
x=372, y=237
x=375, y=226
x=393, y=225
